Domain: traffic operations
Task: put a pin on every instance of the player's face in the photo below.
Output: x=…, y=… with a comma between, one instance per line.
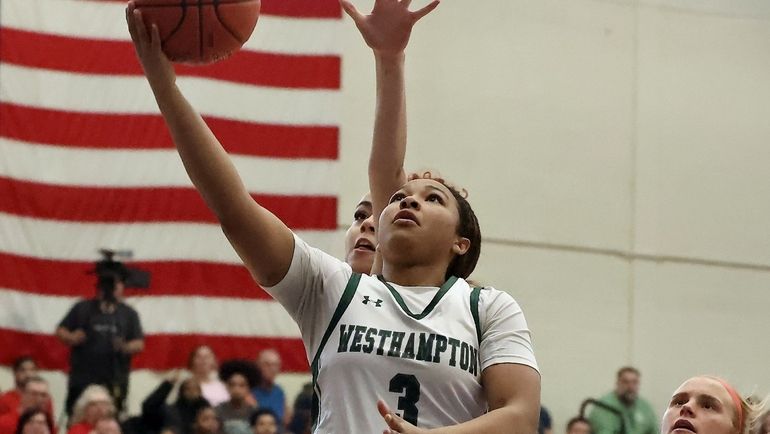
x=206, y=421
x=35, y=394
x=627, y=386
x=269, y=365
x=360, y=239
x=191, y=389
x=107, y=426
x=120, y=288
x=580, y=428
x=420, y=223
x=700, y=405
x=26, y=370
x=238, y=387
x=266, y=424
x=98, y=409
x=204, y=361
x=36, y=425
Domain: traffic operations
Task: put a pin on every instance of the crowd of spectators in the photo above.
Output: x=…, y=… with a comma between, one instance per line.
x=234, y=397
x=241, y=397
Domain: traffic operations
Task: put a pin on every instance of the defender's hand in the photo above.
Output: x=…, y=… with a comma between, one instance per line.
x=387, y=29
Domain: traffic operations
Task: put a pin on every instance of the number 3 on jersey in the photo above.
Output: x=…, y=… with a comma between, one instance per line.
x=407, y=385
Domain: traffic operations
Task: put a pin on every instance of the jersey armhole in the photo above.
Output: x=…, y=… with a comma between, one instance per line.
x=475, y=294
x=347, y=297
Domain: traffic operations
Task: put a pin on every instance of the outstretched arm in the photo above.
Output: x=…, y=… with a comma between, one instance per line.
x=386, y=31
x=262, y=241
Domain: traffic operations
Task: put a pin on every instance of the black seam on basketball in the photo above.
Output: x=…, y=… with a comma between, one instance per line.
x=178, y=24
x=224, y=24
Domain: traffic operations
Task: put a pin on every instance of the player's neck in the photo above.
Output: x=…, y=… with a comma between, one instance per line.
x=414, y=275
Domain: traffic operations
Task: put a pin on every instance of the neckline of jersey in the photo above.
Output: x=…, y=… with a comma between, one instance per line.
x=429, y=308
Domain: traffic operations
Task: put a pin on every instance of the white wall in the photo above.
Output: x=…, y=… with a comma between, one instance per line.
x=617, y=155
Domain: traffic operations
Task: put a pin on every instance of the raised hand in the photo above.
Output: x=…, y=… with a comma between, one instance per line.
x=157, y=67
x=387, y=29
x=396, y=425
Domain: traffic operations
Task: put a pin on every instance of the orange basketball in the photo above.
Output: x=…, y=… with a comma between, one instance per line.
x=200, y=31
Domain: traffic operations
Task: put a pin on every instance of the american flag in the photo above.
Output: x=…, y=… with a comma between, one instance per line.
x=86, y=162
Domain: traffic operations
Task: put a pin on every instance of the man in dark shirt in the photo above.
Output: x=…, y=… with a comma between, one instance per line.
x=102, y=333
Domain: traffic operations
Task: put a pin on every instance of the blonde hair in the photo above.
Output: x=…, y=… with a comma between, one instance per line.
x=755, y=412
x=91, y=394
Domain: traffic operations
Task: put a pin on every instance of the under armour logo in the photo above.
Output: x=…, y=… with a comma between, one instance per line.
x=377, y=303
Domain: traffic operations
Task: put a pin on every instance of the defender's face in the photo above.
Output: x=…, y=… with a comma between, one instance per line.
x=360, y=238
x=700, y=406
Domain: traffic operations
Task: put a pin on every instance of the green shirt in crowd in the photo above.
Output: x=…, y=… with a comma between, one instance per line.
x=639, y=418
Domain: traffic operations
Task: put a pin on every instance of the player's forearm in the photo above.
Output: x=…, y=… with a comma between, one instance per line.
x=505, y=420
x=133, y=347
x=205, y=160
x=65, y=336
x=386, y=162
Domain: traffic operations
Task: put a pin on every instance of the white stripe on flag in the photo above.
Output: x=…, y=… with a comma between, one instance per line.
x=114, y=94
x=106, y=20
x=72, y=241
x=158, y=168
x=34, y=313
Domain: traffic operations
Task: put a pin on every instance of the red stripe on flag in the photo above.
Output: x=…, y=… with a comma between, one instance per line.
x=155, y=204
x=169, y=278
x=302, y=8
x=158, y=353
x=296, y=8
x=91, y=56
x=124, y=131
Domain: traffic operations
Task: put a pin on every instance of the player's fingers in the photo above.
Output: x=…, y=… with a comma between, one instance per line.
x=155, y=37
x=351, y=10
x=406, y=3
x=418, y=14
x=394, y=422
x=383, y=408
x=140, y=29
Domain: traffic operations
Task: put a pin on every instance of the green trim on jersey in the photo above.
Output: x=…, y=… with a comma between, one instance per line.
x=475, y=294
x=436, y=298
x=347, y=297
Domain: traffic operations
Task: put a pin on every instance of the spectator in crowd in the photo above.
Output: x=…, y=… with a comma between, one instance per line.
x=35, y=421
x=23, y=368
x=107, y=425
x=301, y=421
x=206, y=421
x=103, y=333
x=544, y=425
x=155, y=413
x=202, y=363
x=579, y=425
x=636, y=413
x=180, y=416
x=264, y=421
x=34, y=396
x=710, y=405
x=268, y=394
x=93, y=404
x=240, y=376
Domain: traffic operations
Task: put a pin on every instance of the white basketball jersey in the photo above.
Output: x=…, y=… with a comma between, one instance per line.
x=424, y=363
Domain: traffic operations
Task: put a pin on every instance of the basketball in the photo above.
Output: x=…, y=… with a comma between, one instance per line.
x=200, y=31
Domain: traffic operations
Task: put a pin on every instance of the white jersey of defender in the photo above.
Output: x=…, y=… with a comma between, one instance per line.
x=420, y=349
